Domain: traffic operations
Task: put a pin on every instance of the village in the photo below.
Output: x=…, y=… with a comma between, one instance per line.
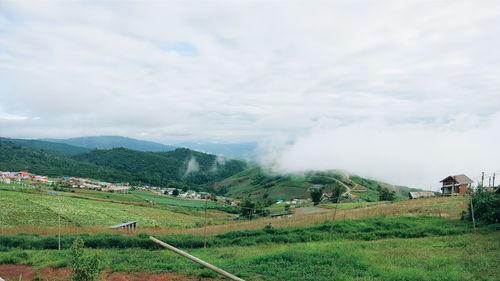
x=27, y=178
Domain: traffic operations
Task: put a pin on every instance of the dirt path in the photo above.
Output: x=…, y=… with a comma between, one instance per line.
x=27, y=273
x=309, y=210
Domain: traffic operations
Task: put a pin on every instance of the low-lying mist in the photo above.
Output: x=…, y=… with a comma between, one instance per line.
x=410, y=155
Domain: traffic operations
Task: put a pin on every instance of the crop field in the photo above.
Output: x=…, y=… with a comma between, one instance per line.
x=175, y=201
x=442, y=249
x=108, y=195
x=42, y=210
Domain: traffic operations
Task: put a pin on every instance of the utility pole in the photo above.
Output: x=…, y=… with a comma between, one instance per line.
x=472, y=213
x=59, y=227
x=205, y=230
x=59, y=234
x=482, y=179
x=493, y=179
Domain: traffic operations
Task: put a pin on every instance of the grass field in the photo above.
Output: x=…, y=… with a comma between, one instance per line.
x=175, y=201
x=441, y=253
x=407, y=240
x=40, y=209
x=348, y=206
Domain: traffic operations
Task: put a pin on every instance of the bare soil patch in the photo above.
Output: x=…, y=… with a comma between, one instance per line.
x=26, y=273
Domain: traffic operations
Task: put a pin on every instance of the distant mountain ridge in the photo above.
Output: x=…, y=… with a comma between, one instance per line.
x=48, y=146
x=110, y=142
x=243, y=150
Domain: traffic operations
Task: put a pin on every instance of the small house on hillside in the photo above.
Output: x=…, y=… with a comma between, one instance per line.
x=453, y=185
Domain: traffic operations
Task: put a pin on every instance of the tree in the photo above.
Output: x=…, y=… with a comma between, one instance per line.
x=316, y=195
x=486, y=205
x=86, y=266
x=337, y=190
x=247, y=208
x=386, y=195
x=175, y=192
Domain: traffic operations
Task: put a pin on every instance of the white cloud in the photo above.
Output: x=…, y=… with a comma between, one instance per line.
x=238, y=71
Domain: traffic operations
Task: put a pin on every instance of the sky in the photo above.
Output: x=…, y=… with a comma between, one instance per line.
x=402, y=91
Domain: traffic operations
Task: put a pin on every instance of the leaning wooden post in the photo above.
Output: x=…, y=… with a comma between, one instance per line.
x=472, y=213
x=195, y=259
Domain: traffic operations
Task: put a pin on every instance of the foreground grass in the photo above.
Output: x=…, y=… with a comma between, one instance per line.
x=364, y=229
x=458, y=257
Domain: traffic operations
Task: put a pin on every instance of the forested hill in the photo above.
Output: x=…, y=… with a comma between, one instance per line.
x=13, y=157
x=175, y=168
x=160, y=168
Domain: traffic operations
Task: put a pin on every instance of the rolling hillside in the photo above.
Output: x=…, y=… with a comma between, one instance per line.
x=259, y=184
x=179, y=167
x=17, y=158
x=159, y=168
x=109, y=142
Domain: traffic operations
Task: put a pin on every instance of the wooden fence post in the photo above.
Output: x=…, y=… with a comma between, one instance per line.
x=195, y=259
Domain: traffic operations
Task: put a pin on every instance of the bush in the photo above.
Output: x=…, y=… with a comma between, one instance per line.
x=86, y=267
x=386, y=195
x=486, y=205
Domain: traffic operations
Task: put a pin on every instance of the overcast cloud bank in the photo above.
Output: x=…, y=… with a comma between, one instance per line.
x=404, y=91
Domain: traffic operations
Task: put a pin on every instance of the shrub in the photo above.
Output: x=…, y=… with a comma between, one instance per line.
x=486, y=205
x=86, y=267
x=386, y=195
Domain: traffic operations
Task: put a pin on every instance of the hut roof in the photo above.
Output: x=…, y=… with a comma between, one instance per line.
x=461, y=179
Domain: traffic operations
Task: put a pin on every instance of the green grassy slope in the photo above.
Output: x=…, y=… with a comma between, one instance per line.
x=260, y=184
x=41, y=209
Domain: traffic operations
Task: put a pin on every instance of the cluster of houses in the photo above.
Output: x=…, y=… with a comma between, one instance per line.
x=189, y=194
x=291, y=202
x=27, y=177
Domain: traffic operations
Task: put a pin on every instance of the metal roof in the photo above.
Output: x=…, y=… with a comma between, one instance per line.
x=122, y=224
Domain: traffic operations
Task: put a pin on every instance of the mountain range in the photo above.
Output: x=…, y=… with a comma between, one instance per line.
x=112, y=159
x=244, y=151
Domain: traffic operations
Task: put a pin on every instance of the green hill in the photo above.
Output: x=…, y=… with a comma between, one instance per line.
x=109, y=142
x=159, y=168
x=54, y=147
x=179, y=167
x=259, y=184
x=16, y=158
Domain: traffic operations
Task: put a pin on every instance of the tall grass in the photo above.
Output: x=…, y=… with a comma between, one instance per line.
x=365, y=229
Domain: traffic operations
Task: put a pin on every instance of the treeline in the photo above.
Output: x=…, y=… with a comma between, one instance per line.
x=123, y=165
